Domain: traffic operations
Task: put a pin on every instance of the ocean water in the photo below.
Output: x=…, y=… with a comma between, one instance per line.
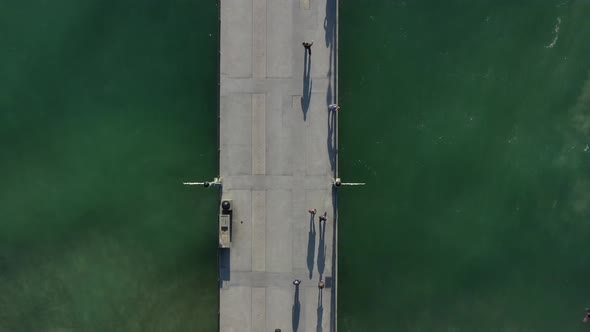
x=469, y=121
x=105, y=108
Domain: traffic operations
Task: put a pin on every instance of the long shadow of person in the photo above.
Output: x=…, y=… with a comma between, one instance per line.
x=307, y=84
x=311, y=246
x=322, y=248
x=331, y=139
x=320, y=313
x=296, y=310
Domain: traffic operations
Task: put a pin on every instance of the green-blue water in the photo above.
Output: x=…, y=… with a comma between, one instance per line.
x=469, y=121
x=105, y=108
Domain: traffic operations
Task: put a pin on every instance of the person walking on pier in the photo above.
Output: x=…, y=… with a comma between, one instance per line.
x=333, y=107
x=312, y=211
x=323, y=218
x=307, y=46
x=296, y=282
x=321, y=284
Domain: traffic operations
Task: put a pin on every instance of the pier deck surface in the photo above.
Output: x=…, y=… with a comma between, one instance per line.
x=277, y=160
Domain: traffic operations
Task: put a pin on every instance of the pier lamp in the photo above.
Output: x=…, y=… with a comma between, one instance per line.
x=216, y=183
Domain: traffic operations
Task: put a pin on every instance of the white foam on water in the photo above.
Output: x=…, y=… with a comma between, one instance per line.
x=556, y=32
x=366, y=166
x=562, y=4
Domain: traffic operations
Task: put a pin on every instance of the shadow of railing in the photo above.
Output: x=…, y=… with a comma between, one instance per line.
x=331, y=284
x=331, y=36
x=224, y=264
x=330, y=26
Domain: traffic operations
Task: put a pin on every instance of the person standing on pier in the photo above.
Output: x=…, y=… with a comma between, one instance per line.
x=333, y=107
x=307, y=46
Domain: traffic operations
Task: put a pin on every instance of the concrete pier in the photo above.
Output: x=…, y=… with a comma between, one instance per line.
x=278, y=155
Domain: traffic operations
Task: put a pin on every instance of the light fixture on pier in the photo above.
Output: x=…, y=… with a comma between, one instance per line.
x=216, y=183
x=337, y=182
